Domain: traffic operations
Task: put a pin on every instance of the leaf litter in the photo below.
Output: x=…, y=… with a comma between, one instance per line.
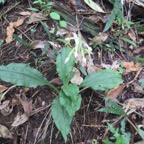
x=89, y=63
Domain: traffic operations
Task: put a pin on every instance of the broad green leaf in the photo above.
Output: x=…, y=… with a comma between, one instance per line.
x=107, y=142
x=70, y=98
x=141, y=132
x=65, y=69
x=22, y=75
x=94, y=6
x=61, y=118
x=102, y=80
x=55, y=16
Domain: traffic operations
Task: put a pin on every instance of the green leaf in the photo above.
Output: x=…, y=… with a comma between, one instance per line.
x=107, y=142
x=33, y=9
x=111, y=128
x=23, y=75
x=142, y=82
x=113, y=108
x=2, y=1
x=128, y=40
x=102, y=80
x=20, y=40
x=70, y=98
x=141, y=132
x=61, y=118
x=116, y=12
x=65, y=69
x=55, y=16
x=46, y=29
x=63, y=24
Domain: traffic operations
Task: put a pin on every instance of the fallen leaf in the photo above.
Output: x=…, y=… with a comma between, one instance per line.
x=4, y=104
x=140, y=142
x=115, y=65
x=137, y=87
x=19, y=119
x=2, y=88
x=131, y=67
x=94, y=6
x=138, y=50
x=10, y=29
x=7, y=110
x=5, y=132
x=36, y=17
x=26, y=103
x=77, y=79
x=56, y=81
x=25, y=13
x=98, y=39
x=115, y=92
x=134, y=103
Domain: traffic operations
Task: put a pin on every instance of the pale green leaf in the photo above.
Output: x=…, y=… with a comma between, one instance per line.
x=70, y=98
x=94, y=6
x=61, y=118
x=64, y=69
x=55, y=16
x=22, y=75
x=102, y=80
x=63, y=24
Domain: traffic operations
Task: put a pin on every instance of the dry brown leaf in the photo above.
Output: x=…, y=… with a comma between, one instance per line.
x=115, y=92
x=130, y=66
x=56, y=81
x=77, y=79
x=7, y=110
x=134, y=103
x=4, y=104
x=138, y=50
x=36, y=17
x=19, y=119
x=27, y=104
x=101, y=38
x=2, y=88
x=5, y=132
x=137, y=87
x=25, y=13
x=140, y=142
x=10, y=29
x=132, y=36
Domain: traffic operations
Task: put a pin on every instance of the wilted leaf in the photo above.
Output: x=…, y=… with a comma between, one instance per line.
x=4, y=132
x=98, y=39
x=94, y=6
x=25, y=13
x=27, y=104
x=61, y=118
x=77, y=79
x=2, y=88
x=19, y=119
x=115, y=92
x=56, y=81
x=10, y=29
x=39, y=44
x=4, y=104
x=102, y=80
x=130, y=66
x=7, y=110
x=36, y=17
x=138, y=50
x=134, y=103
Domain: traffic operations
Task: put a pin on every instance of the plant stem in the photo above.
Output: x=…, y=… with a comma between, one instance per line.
x=53, y=87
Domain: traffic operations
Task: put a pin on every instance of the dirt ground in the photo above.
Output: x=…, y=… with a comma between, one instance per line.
x=87, y=125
